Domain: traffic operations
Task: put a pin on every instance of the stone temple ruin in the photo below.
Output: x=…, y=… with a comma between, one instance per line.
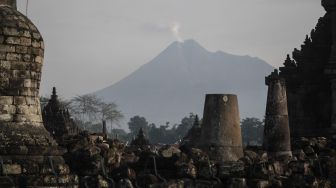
x=57, y=120
x=310, y=79
x=46, y=148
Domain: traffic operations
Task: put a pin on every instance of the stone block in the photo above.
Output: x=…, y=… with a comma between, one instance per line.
x=4, y=82
x=237, y=183
x=22, y=109
x=20, y=118
x=31, y=101
x=21, y=49
x=27, y=83
x=259, y=183
x=26, y=91
x=7, y=109
x=32, y=27
x=13, y=57
x=39, y=59
x=36, y=51
x=36, y=44
x=11, y=169
x=27, y=58
x=299, y=167
x=5, y=65
x=34, y=84
x=33, y=109
x=13, y=40
x=7, y=48
x=2, y=39
x=6, y=100
x=20, y=100
x=6, y=117
x=25, y=41
x=2, y=55
x=25, y=33
x=19, y=65
x=36, y=36
x=35, y=118
x=11, y=31
x=23, y=25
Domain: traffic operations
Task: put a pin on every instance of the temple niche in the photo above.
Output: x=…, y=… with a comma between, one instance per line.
x=309, y=80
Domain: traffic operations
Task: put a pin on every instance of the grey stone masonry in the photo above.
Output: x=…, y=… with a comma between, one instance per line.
x=220, y=132
x=276, y=132
x=29, y=156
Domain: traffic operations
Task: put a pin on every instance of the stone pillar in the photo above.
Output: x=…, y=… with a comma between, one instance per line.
x=104, y=129
x=220, y=133
x=333, y=105
x=276, y=132
x=11, y=3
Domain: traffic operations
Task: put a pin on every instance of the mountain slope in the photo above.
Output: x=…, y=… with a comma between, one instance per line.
x=175, y=83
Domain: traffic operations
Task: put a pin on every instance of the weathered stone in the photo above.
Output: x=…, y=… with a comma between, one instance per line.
x=21, y=49
x=13, y=40
x=6, y=100
x=276, y=133
x=13, y=57
x=237, y=183
x=10, y=31
x=6, y=117
x=170, y=151
x=36, y=44
x=36, y=36
x=221, y=134
x=7, y=48
x=39, y=59
x=25, y=41
x=2, y=55
x=27, y=57
x=11, y=169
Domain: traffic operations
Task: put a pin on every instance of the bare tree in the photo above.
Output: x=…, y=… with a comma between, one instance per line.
x=86, y=106
x=90, y=108
x=109, y=112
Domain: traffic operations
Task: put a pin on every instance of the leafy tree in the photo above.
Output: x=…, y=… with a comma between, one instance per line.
x=162, y=134
x=136, y=123
x=252, y=131
x=186, y=124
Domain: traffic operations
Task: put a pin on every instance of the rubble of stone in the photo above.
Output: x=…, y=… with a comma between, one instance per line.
x=107, y=163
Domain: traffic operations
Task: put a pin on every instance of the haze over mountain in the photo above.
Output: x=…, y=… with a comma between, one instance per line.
x=175, y=82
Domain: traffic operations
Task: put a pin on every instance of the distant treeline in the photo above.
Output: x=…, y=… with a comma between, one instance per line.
x=89, y=112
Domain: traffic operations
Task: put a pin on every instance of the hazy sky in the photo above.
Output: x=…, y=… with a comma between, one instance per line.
x=91, y=44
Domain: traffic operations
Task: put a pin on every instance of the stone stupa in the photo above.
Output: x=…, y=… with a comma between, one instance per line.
x=29, y=156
